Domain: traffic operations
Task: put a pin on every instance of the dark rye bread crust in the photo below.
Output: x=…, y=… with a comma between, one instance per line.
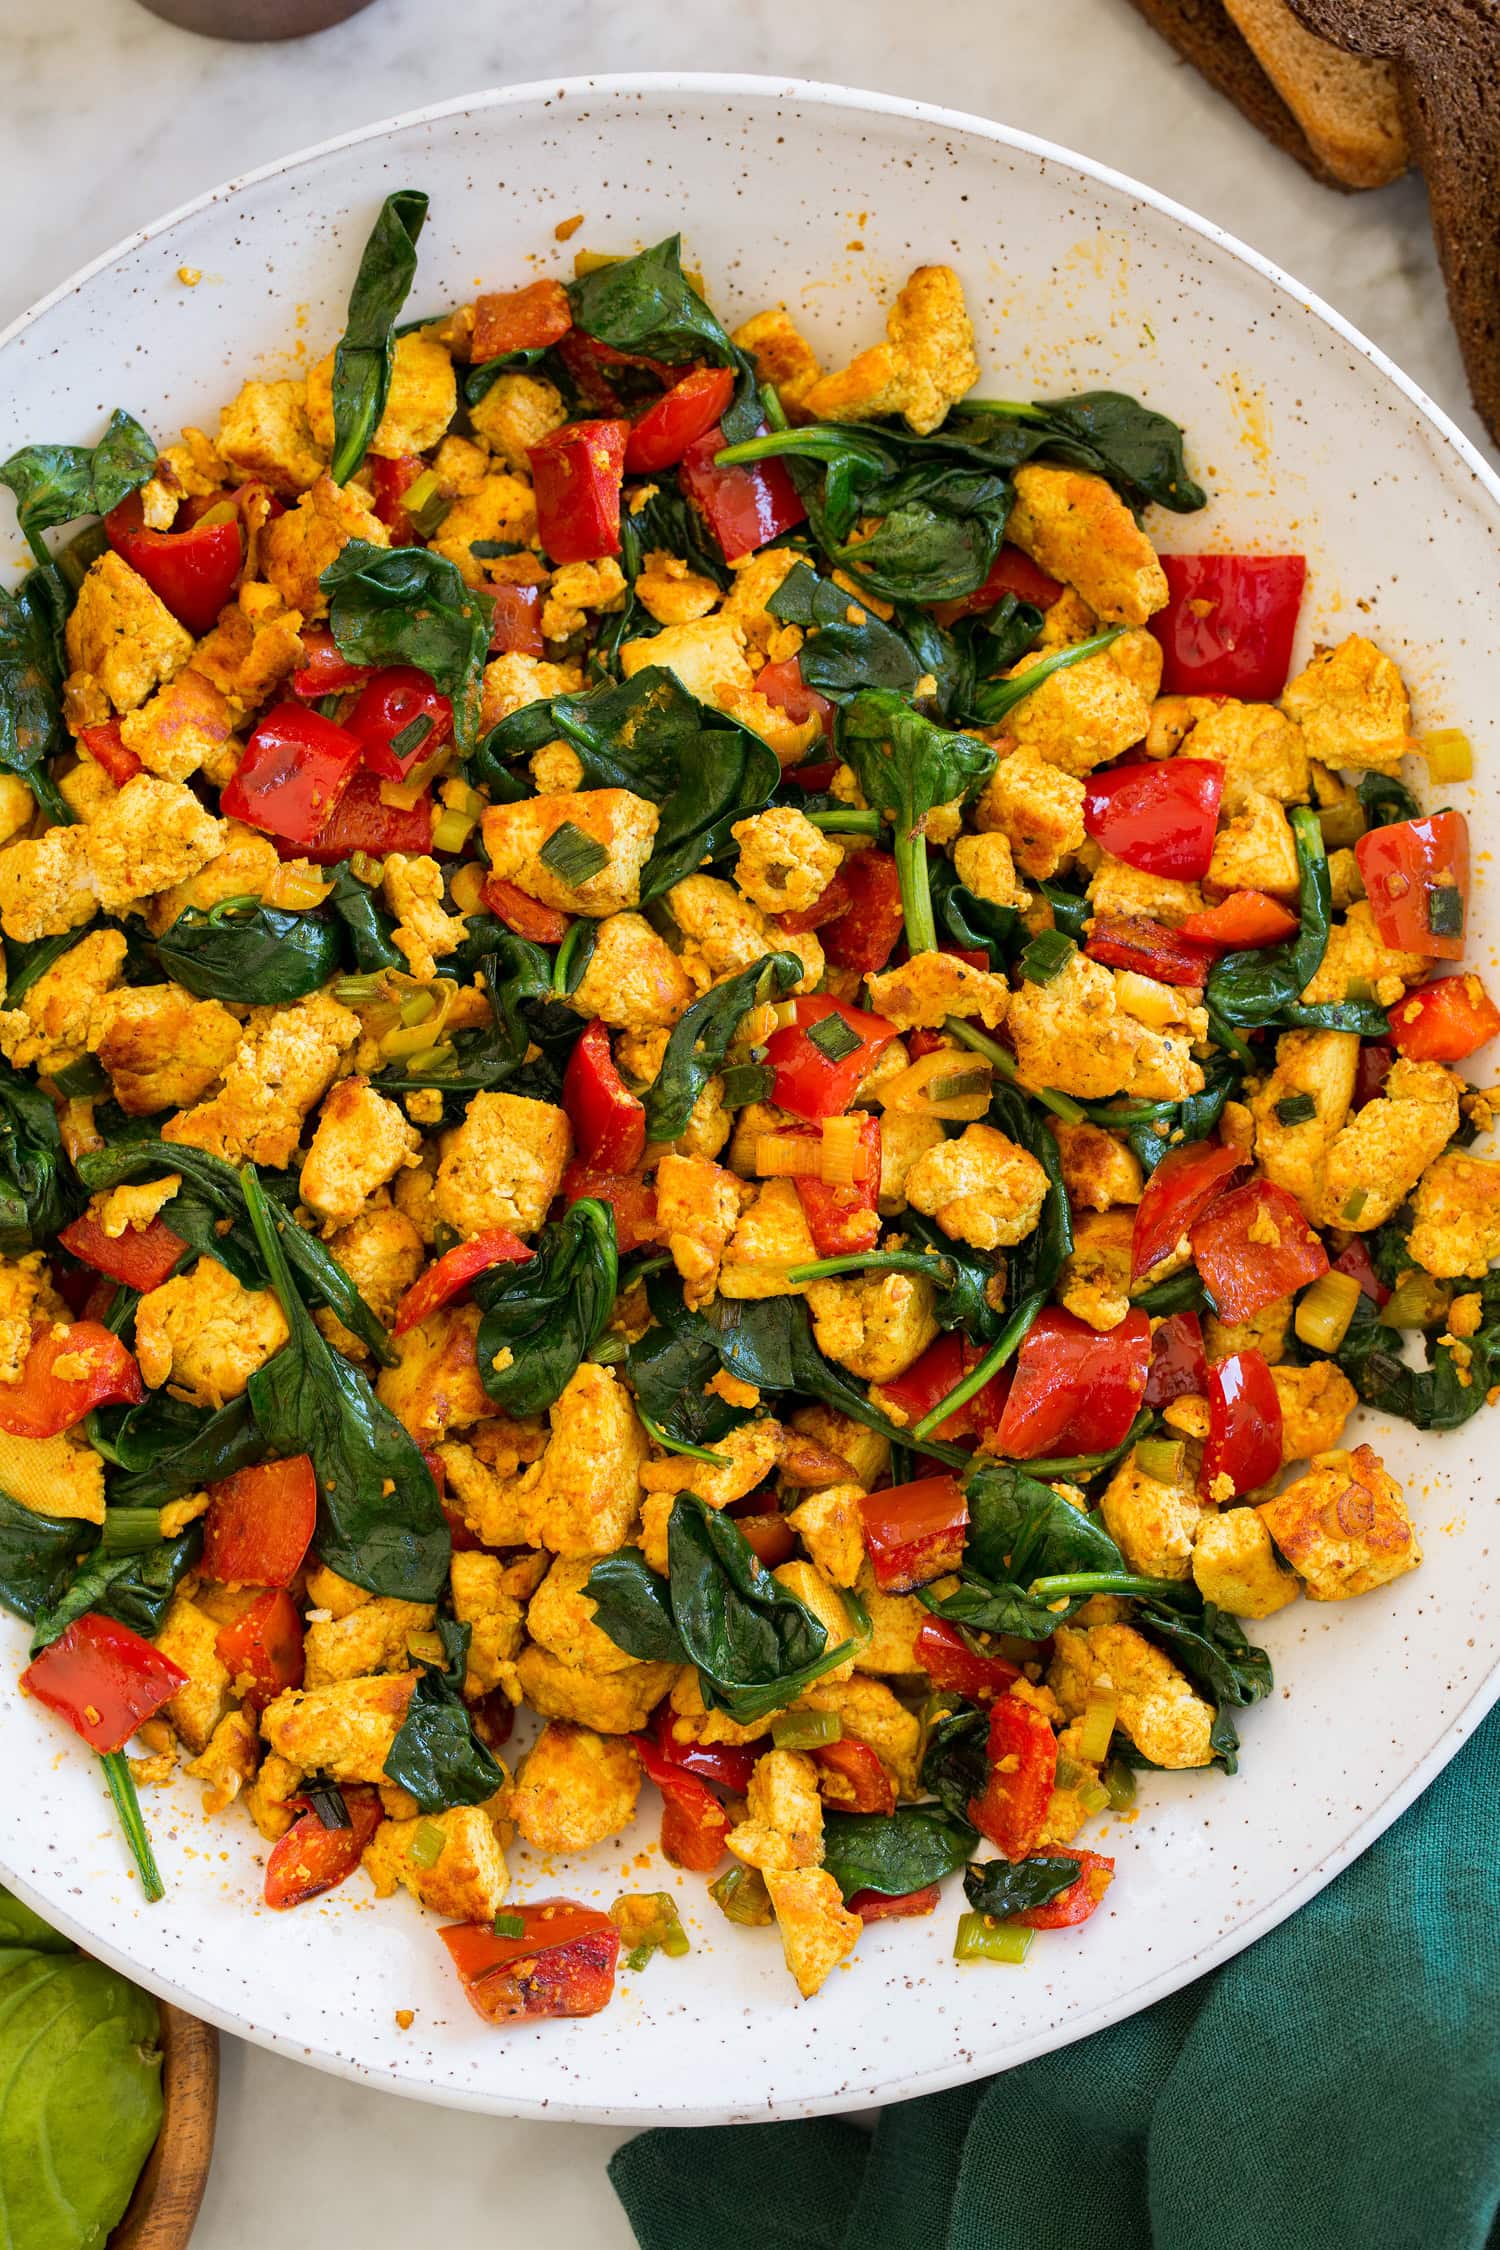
x=1203, y=35
x=1448, y=53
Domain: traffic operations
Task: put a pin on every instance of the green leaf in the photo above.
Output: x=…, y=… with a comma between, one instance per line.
x=907, y=765
x=646, y=304
x=1443, y=1395
x=1265, y=984
x=409, y=605
x=1216, y=1656
x=135, y=1589
x=165, y=1448
x=842, y=657
x=263, y=955
x=941, y=528
x=548, y=1313
x=1003, y=1887
x=1036, y=1263
x=634, y=1607
x=1020, y=1529
x=998, y=698
x=19, y=1926
x=33, y=663
x=366, y=925
x=54, y=484
x=436, y=1756
x=366, y=351
x=702, y=1037
x=1138, y=450
x=670, y=1366
x=38, y=1555
x=955, y=1763
x=894, y=1852
x=756, y=1644
x=36, y=1200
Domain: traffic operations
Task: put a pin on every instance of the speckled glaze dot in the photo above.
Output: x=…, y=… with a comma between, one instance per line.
x=1076, y=279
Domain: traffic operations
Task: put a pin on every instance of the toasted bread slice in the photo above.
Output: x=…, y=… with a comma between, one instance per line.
x=1203, y=35
x=1347, y=105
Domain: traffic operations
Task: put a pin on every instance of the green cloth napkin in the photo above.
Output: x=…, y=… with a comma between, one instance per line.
x=1337, y=2087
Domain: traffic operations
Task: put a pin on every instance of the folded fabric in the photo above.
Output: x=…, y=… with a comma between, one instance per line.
x=1336, y=2087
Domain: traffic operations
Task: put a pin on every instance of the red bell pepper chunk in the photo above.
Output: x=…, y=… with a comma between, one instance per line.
x=835, y=899
x=71, y=1368
x=392, y=476
x=1416, y=873
x=864, y=936
x=730, y=1764
x=939, y=1370
x=949, y=1662
x=671, y=424
x=576, y=473
x=106, y=746
x=629, y=1196
x=362, y=821
x=192, y=572
x=527, y=916
x=296, y=767
x=1446, y=1021
x=1134, y=941
x=520, y=320
x=1078, y=1901
x=103, y=1679
x=494, y=1717
x=818, y=775
x=516, y=624
x=1229, y=624
x=1244, y=1425
x=782, y=683
x=592, y=366
x=391, y=702
x=807, y=1082
x=915, y=1532
x=259, y=1523
x=1179, y=1367
x=1244, y=919
x=451, y=1274
x=746, y=506
x=141, y=1257
x=767, y=1532
x=840, y=1220
x=877, y=1906
x=1254, y=1246
x=1371, y=1070
x=852, y=1778
x=1022, y=1761
x=1011, y=572
x=609, y=1124
x=694, y=1824
x=1180, y=1190
x=1157, y=816
x=564, y=1965
x=261, y=1649
x=310, y=1858
x=1355, y=1260
x=1075, y=1390
x=325, y=670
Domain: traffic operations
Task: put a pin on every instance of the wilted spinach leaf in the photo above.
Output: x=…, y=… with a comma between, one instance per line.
x=408, y=605
x=756, y=1644
x=702, y=1037
x=669, y=1367
x=1138, y=450
x=136, y=1590
x=1265, y=985
x=38, y=1554
x=906, y=766
x=251, y=952
x=894, y=1852
x=1443, y=1395
x=367, y=927
x=646, y=304
x=548, y=1313
x=53, y=484
x=436, y=1756
x=165, y=1448
x=32, y=666
x=955, y=1766
x=1020, y=1529
x=1035, y=1263
x=962, y=1299
x=842, y=656
x=634, y=1607
x=35, y=1197
x=365, y=353
x=1003, y=1887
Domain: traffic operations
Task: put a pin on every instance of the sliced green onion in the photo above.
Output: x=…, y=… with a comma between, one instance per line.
x=452, y=829
x=509, y=1925
x=1046, y=956
x=1068, y=1773
x=129, y=1531
x=1359, y=988
x=959, y=1089
x=428, y=1845
x=1119, y=1784
x=1417, y=1301
x=1097, y=1729
x=572, y=856
x=1062, y=1106
x=747, y=1082
x=1325, y=1310
x=425, y=504
x=771, y=407
x=806, y=1730
x=994, y=1359
x=980, y=1939
x=128, y=1805
x=1093, y=1797
x=649, y=1918
x=573, y=956
x=833, y=1038
x=416, y=1007
x=740, y=1894
x=353, y=989
x=1295, y=1109
x=609, y=1351
x=1161, y=1458
x=433, y=1061
x=82, y=1079
x=655, y=1431
x=411, y=736
x=490, y=550
x=1354, y=1203
x=1445, y=910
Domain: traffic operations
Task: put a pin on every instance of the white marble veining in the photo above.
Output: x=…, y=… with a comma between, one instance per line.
x=112, y=117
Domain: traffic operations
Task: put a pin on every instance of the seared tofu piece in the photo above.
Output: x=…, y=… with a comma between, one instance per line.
x=483, y=1600
x=150, y=835
x=420, y=403
x=362, y=1141
x=1385, y=1148
x=771, y=1239
x=1457, y=1229
x=1077, y=528
x=830, y=1525
x=783, y=1826
x=1159, y=1709
x=121, y=638
x=50, y=1028
x=203, y=1335
x=503, y=1165
x=817, y=1929
x=612, y=1703
x=1036, y=807
x=785, y=863
x=1352, y=707
x=369, y=1639
x=634, y=981
x=1078, y=1034
x=1236, y=1567
x=590, y=1483
x=560, y=1619
x=1089, y=712
x=1316, y=1402
x=925, y=366
x=285, y=1063
x=296, y=548
x=573, y=1789
x=873, y=1324
x=189, y=1636
x=47, y=885
x=266, y=433
x=1153, y=1522
x=434, y=1386
x=519, y=841
x=1098, y=1170
x=346, y=1730
x=924, y=991
x=981, y=1188
x=467, y=1880
x=1343, y=1527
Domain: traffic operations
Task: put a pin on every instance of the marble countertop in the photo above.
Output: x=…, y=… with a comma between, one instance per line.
x=113, y=117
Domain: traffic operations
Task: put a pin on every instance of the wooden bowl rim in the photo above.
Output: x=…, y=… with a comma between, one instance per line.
x=163, y=2210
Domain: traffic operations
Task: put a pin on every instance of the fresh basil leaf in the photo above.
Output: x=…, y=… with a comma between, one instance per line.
x=543, y=1317
x=54, y=484
x=36, y=1200
x=409, y=605
x=1003, y=1887
x=436, y=1756
x=1020, y=1529
x=38, y=1554
x=756, y=1644
x=634, y=1607
x=366, y=352
x=264, y=955
x=19, y=1927
x=136, y=1590
x=894, y=1852
x=702, y=1037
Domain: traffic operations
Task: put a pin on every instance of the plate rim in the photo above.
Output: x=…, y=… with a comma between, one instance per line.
x=622, y=85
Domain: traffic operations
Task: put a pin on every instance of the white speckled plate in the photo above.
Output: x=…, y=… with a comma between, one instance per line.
x=1309, y=439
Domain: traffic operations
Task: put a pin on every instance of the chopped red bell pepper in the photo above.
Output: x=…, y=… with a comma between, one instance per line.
x=494, y=1717
x=71, y=1368
x=1157, y=816
x=103, y=1679
x=576, y=474
x=527, y=916
x=192, y=572
x=769, y=1536
x=296, y=767
x=1152, y=949
x=1022, y=1772
x=852, y=1779
x=915, y=1532
x=807, y=1081
x=835, y=899
x=1179, y=1367
x=1076, y=1390
x=631, y=1198
x=520, y=320
x=817, y=775
x=392, y=476
x=1371, y=1070
x=362, y=821
x=730, y=1764
x=516, y=623
x=390, y=705
x=1240, y=921
x=106, y=746
x=1446, y=1021
x=782, y=683
x=1078, y=1901
x=864, y=935
x=694, y=1824
x=141, y=1257
x=840, y=1220
x=1229, y=624
x=1011, y=572
x=1416, y=873
x=451, y=1274
x=593, y=365
x=260, y=1522
x=878, y=1906
x=949, y=1662
x=609, y=1123
x=1252, y=1246
x=1244, y=1425
x=261, y=1649
x=310, y=1858
x=746, y=506
x=672, y=423
x=325, y=669
x=939, y=1370
x=1355, y=1260
x=564, y=1964
x=1180, y=1190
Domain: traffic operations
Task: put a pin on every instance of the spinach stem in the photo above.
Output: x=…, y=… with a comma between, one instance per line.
x=854, y=822
x=128, y=1805
x=1084, y=1464
x=1105, y=1582
x=994, y=1359
x=933, y=1264
x=1062, y=1106
x=916, y=894
x=996, y=698
x=655, y=1431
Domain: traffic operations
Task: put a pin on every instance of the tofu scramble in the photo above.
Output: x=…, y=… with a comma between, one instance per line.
x=688, y=1050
